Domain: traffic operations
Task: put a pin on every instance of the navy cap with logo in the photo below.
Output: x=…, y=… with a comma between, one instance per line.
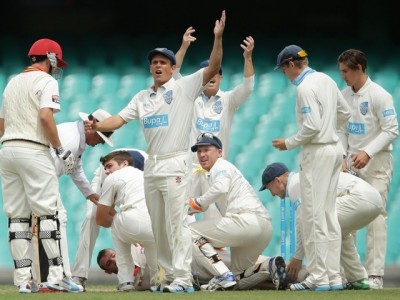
x=207, y=139
x=163, y=51
x=290, y=53
x=205, y=63
x=271, y=171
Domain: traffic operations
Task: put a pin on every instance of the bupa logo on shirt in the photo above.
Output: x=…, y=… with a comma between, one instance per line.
x=217, y=107
x=364, y=108
x=388, y=112
x=155, y=121
x=208, y=125
x=356, y=128
x=168, y=97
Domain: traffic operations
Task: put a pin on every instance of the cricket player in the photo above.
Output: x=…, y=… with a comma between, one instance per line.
x=74, y=137
x=320, y=111
x=89, y=229
x=123, y=188
x=358, y=203
x=368, y=143
x=165, y=111
x=245, y=226
x=257, y=277
x=29, y=180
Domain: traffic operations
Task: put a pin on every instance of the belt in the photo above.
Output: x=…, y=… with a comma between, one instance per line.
x=166, y=156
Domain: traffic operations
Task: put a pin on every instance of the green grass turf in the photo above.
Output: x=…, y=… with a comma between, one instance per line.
x=108, y=292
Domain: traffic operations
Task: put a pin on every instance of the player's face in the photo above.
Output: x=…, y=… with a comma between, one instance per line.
x=207, y=156
x=161, y=68
x=108, y=263
x=112, y=166
x=350, y=76
x=93, y=139
x=212, y=86
x=277, y=187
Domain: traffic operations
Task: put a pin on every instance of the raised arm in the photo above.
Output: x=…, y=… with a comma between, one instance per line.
x=215, y=60
x=248, y=46
x=186, y=40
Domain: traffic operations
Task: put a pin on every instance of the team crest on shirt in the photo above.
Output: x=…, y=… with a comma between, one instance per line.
x=168, y=97
x=178, y=179
x=364, y=108
x=55, y=99
x=217, y=107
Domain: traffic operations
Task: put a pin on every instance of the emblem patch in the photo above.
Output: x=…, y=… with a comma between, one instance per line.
x=168, y=97
x=364, y=108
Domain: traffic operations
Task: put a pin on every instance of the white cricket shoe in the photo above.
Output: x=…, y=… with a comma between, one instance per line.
x=375, y=282
x=220, y=283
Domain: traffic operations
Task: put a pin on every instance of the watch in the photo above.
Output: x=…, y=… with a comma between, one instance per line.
x=59, y=150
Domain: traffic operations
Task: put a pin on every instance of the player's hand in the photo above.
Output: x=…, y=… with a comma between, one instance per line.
x=247, y=46
x=68, y=159
x=194, y=206
x=188, y=38
x=220, y=25
x=360, y=159
x=94, y=198
x=279, y=144
x=293, y=269
x=90, y=125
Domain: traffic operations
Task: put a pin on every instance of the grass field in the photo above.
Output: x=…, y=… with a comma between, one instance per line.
x=108, y=292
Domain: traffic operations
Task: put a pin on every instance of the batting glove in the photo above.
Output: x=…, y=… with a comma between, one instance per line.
x=68, y=159
x=194, y=206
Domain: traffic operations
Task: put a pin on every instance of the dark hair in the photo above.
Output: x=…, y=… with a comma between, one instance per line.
x=101, y=254
x=119, y=157
x=352, y=58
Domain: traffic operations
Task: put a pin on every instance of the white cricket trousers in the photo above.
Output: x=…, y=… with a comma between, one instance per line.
x=87, y=241
x=30, y=185
x=246, y=234
x=356, y=209
x=378, y=173
x=133, y=226
x=165, y=186
x=320, y=165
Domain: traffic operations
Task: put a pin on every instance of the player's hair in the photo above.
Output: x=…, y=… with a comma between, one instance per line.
x=119, y=157
x=101, y=254
x=352, y=58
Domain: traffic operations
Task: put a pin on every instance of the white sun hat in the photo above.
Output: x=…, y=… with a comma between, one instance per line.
x=99, y=115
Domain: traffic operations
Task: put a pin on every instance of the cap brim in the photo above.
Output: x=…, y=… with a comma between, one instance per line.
x=61, y=63
x=262, y=188
x=277, y=67
x=85, y=117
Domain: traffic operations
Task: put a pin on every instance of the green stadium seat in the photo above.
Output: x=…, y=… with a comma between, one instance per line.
x=104, y=84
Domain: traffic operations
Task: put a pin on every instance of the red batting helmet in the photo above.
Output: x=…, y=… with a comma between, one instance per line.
x=45, y=46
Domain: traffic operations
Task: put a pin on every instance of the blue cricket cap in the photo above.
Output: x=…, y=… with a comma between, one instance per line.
x=271, y=171
x=290, y=53
x=163, y=51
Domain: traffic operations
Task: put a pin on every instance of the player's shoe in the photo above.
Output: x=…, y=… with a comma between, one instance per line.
x=28, y=287
x=362, y=284
x=220, y=283
x=277, y=269
x=159, y=288
x=66, y=285
x=80, y=281
x=375, y=282
x=126, y=287
x=308, y=286
x=178, y=288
